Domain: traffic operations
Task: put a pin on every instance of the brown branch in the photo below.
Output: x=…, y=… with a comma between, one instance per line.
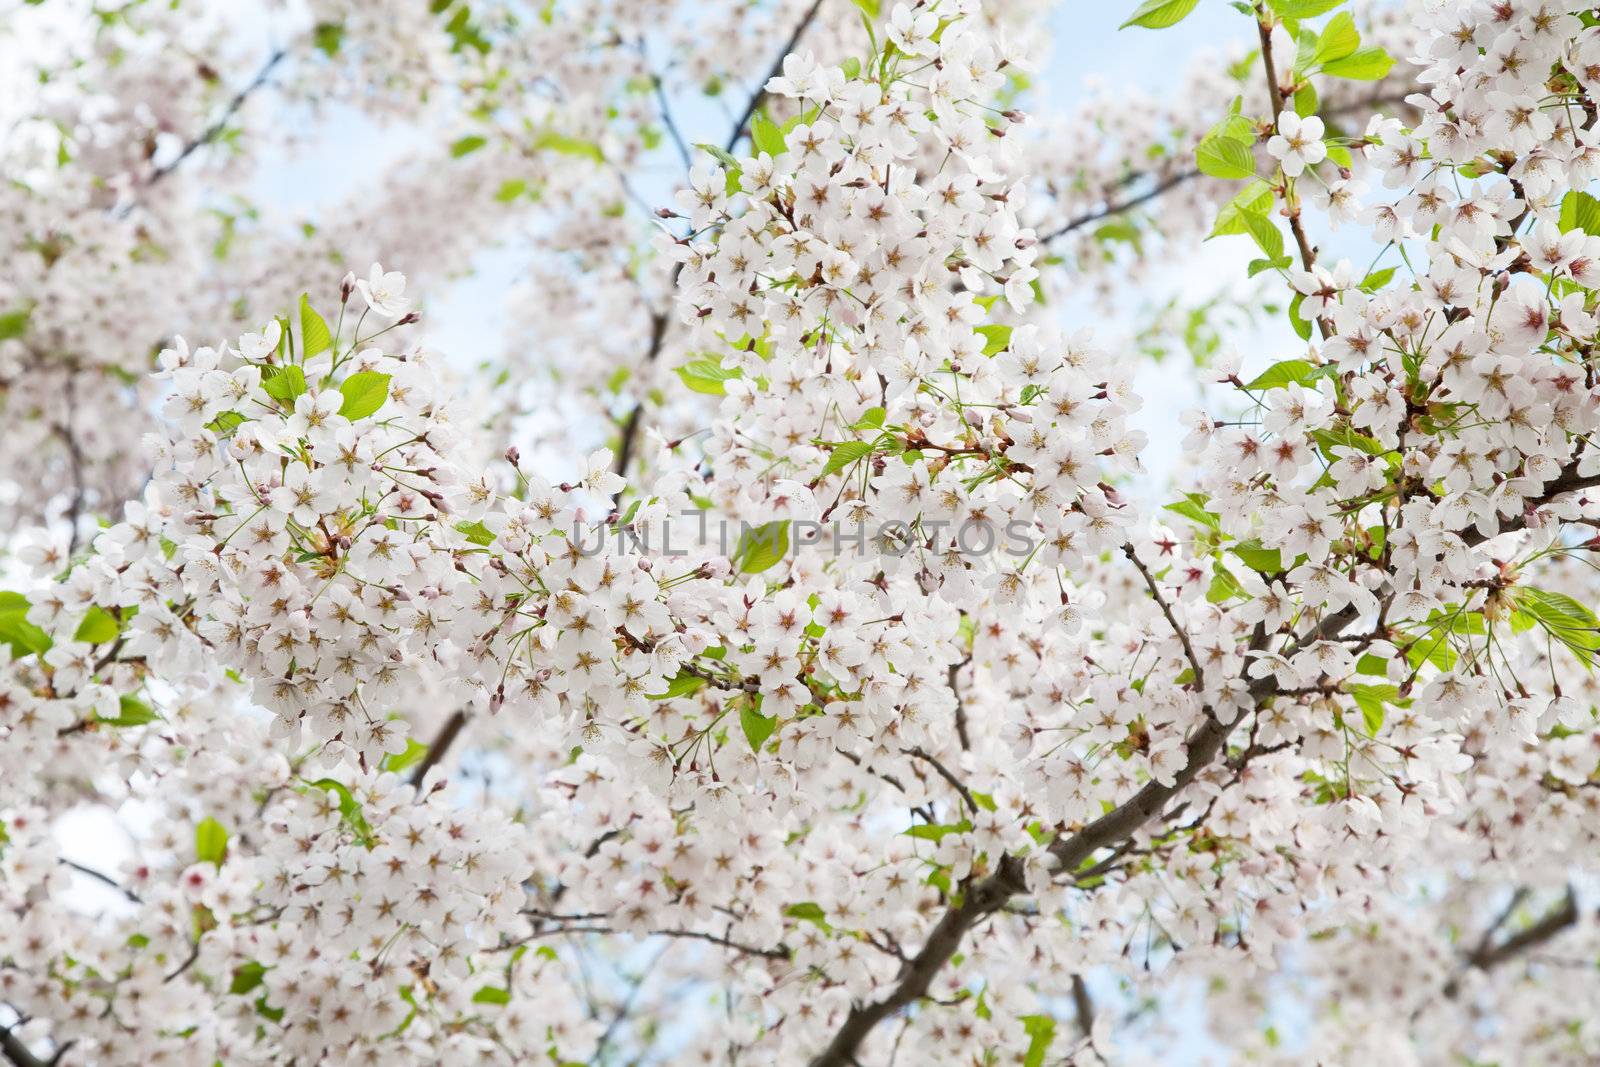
x=1118, y=207
x=1172, y=620
x=18, y=1053
x=658, y=319
x=213, y=131
x=585, y=924
x=1172, y=181
x=1082, y=1005
x=1291, y=205
x=775, y=71
x=441, y=744
x=986, y=895
x=944, y=772
x=1554, y=922
x=1488, y=954
x=101, y=876
x=961, y=705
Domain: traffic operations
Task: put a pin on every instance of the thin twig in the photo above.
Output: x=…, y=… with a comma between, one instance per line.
x=213, y=131
x=441, y=745
x=101, y=876
x=1172, y=620
x=658, y=319
x=944, y=772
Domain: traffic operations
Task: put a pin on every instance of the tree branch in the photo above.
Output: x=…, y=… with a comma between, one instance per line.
x=989, y=894
x=1118, y=207
x=213, y=131
x=441, y=745
x=1172, y=620
x=658, y=319
x=17, y=1052
x=776, y=70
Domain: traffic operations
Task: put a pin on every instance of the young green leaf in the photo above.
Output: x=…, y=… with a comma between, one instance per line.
x=756, y=726
x=98, y=627
x=364, y=393
x=844, y=454
x=766, y=135
x=210, y=841
x=1159, y=14
x=315, y=337
x=1364, y=64
x=762, y=546
x=283, y=383
x=1224, y=157
x=1254, y=199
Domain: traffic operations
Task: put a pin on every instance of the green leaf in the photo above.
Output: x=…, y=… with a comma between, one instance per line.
x=510, y=189
x=476, y=532
x=283, y=383
x=682, y=685
x=1266, y=234
x=328, y=36
x=1289, y=371
x=1375, y=666
x=210, y=841
x=722, y=155
x=315, y=337
x=938, y=831
x=414, y=754
x=1305, y=100
x=246, y=977
x=1565, y=619
x=756, y=726
x=1041, y=1031
x=762, y=546
x=872, y=420
x=14, y=323
x=1302, y=326
x=844, y=454
x=808, y=911
x=1159, y=14
x=766, y=136
x=995, y=338
x=23, y=636
x=1194, y=509
x=1371, y=700
x=1338, y=39
x=1377, y=279
x=868, y=8
x=467, y=145
x=364, y=393
x=1224, y=157
x=567, y=145
x=97, y=627
x=1224, y=587
x=1303, y=9
x=1364, y=64
x=708, y=376
x=1254, y=199
x=131, y=712
x=349, y=809
x=1257, y=558
x=491, y=995
x=1580, y=211
x=224, y=425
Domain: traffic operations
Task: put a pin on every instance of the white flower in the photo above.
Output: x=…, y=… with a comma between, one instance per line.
x=1298, y=143
x=384, y=292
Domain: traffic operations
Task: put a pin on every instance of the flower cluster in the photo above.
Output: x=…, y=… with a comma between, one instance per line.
x=956, y=750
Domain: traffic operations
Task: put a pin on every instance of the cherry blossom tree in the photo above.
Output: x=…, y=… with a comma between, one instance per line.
x=848, y=702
